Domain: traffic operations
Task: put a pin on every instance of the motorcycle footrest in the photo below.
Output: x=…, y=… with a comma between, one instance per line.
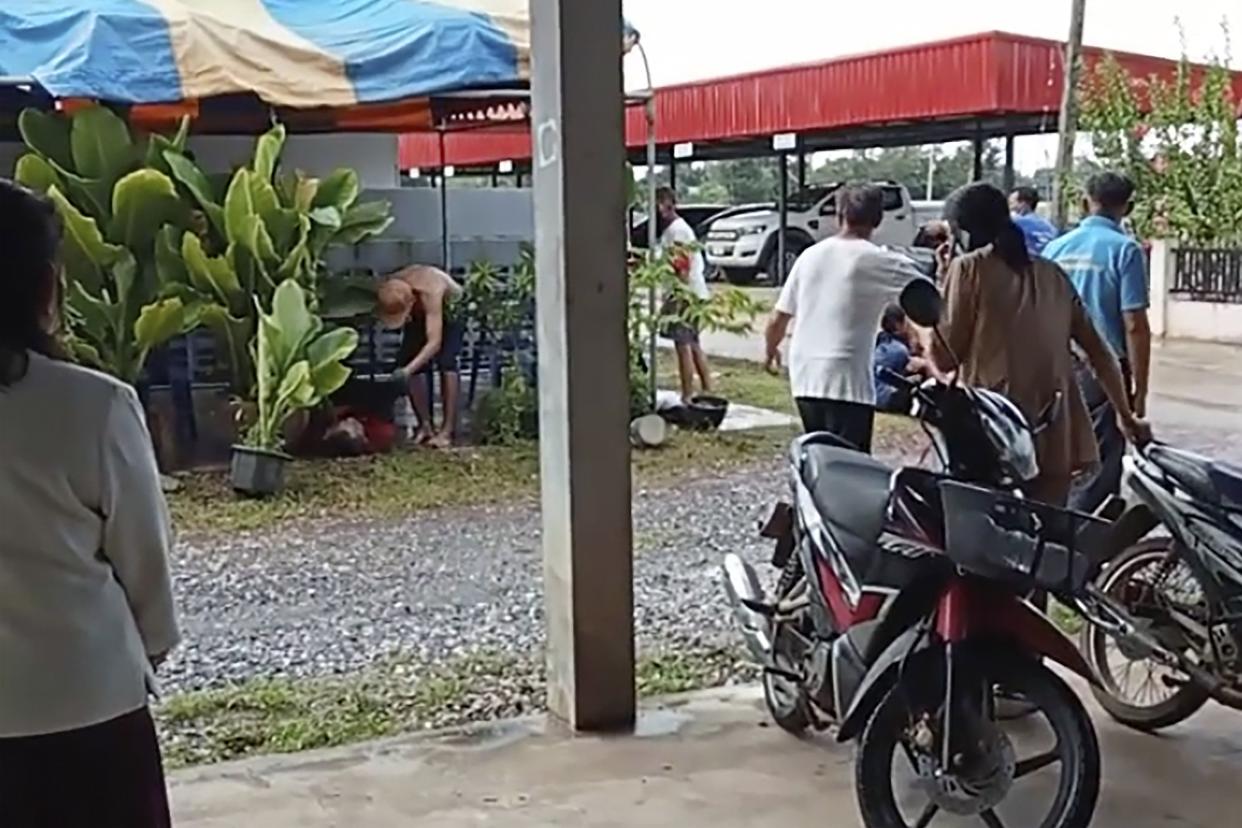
x=764, y=609
x=782, y=673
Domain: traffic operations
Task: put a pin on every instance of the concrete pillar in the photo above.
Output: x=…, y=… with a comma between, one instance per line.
x=801, y=170
x=782, y=207
x=579, y=164
x=1010, y=177
x=1162, y=264
x=977, y=173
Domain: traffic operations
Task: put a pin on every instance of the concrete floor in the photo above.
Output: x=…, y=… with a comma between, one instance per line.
x=705, y=760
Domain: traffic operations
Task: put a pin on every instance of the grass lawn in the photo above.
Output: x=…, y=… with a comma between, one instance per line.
x=397, y=484
x=288, y=716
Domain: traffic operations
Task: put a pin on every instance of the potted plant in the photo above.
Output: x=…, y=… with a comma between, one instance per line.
x=298, y=365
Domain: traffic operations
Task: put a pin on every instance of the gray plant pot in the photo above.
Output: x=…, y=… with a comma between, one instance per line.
x=258, y=472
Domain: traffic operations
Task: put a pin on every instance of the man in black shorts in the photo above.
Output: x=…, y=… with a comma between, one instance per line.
x=421, y=301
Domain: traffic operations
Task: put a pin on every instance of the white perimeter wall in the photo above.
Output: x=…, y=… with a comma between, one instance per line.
x=1179, y=319
x=374, y=156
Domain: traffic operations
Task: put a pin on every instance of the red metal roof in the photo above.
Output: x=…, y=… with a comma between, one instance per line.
x=993, y=75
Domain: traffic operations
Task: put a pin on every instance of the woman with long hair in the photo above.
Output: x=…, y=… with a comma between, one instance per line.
x=1010, y=323
x=86, y=608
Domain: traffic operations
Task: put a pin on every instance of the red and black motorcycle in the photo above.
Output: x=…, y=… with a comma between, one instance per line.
x=900, y=617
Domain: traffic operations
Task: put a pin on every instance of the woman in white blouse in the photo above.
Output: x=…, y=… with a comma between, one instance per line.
x=86, y=608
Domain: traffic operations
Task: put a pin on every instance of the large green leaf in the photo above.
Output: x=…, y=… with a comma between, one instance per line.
x=162, y=321
x=239, y=215
x=329, y=378
x=298, y=260
x=267, y=153
x=333, y=346
x=101, y=144
x=253, y=275
x=339, y=190
x=94, y=318
x=189, y=176
x=35, y=173
x=87, y=256
x=142, y=203
x=47, y=133
x=214, y=275
x=362, y=222
x=305, y=193
x=286, y=229
x=328, y=217
x=169, y=263
x=232, y=335
x=289, y=313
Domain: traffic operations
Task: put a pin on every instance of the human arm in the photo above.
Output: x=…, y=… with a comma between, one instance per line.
x=1107, y=371
x=137, y=535
x=434, y=321
x=1134, y=303
x=774, y=336
x=783, y=314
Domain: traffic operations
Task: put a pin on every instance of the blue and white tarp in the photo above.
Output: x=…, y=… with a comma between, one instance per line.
x=291, y=53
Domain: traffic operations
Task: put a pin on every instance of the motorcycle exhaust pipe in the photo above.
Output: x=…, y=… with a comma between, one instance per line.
x=744, y=591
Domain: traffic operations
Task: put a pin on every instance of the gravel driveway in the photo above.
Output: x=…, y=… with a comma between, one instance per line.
x=319, y=599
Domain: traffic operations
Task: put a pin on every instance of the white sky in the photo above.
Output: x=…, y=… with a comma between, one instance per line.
x=695, y=39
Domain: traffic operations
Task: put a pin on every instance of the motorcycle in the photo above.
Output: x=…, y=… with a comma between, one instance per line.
x=899, y=616
x=1171, y=620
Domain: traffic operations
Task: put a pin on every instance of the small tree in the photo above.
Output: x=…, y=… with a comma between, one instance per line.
x=1178, y=140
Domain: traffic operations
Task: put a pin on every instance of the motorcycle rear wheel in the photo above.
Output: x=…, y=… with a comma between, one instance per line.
x=1076, y=753
x=1181, y=703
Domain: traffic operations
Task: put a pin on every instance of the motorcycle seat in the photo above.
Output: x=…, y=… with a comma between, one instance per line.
x=850, y=491
x=1219, y=484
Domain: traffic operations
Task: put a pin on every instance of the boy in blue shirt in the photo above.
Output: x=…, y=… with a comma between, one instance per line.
x=1037, y=229
x=1109, y=270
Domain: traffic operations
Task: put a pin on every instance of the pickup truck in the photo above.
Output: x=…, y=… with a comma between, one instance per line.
x=744, y=245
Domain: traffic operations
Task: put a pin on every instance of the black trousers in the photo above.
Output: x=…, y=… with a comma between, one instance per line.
x=1091, y=489
x=108, y=775
x=852, y=422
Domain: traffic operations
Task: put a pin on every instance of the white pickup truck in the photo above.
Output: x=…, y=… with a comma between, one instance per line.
x=745, y=245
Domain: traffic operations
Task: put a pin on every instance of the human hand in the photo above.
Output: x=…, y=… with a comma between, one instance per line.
x=1136, y=430
x=400, y=378
x=944, y=256
x=773, y=364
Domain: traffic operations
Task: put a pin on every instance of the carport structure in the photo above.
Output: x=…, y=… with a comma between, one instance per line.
x=975, y=88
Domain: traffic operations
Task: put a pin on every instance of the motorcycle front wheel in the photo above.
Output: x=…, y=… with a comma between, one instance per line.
x=1051, y=757
x=1148, y=579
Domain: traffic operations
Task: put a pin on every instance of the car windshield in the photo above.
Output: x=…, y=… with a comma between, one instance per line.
x=808, y=198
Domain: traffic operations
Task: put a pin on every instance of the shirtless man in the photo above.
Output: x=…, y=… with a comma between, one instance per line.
x=420, y=300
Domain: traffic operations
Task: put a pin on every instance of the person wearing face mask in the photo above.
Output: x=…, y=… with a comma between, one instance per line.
x=1010, y=321
x=86, y=604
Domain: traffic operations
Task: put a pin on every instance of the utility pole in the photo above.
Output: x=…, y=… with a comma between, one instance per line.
x=1068, y=124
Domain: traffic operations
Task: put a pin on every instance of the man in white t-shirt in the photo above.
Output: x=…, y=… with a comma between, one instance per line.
x=692, y=271
x=835, y=296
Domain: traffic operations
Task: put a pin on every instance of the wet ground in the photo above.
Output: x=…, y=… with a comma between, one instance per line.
x=710, y=759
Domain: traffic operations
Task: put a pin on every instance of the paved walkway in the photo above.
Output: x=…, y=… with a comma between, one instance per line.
x=1196, y=399
x=708, y=761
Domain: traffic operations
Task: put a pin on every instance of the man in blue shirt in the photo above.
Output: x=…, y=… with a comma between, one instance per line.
x=1037, y=229
x=1109, y=270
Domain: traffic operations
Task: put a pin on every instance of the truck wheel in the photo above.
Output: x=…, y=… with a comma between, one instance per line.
x=740, y=276
x=794, y=247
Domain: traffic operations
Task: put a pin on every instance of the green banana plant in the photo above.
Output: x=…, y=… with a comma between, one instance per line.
x=267, y=228
x=298, y=364
x=112, y=206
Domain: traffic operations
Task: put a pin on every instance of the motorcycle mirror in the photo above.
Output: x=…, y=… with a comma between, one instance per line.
x=921, y=302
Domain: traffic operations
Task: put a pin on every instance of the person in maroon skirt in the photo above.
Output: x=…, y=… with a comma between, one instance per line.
x=86, y=607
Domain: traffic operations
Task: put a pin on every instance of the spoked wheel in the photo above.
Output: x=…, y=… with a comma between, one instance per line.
x=785, y=698
x=1041, y=772
x=1151, y=581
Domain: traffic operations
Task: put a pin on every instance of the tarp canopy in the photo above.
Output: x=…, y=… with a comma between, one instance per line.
x=301, y=54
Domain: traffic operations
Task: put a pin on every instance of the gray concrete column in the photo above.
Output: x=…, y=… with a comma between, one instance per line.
x=579, y=166
x=1010, y=175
